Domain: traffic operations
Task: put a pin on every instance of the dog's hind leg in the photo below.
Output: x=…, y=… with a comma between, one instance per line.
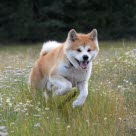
x=48, y=91
x=47, y=94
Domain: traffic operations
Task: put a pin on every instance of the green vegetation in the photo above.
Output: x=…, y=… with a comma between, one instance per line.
x=37, y=20
x=108, y=111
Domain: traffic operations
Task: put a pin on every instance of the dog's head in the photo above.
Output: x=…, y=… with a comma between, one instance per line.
x=81, y=49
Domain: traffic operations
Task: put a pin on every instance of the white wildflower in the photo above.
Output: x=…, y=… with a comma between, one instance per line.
x=47, y=109
x=105, y=118
x=37, y=125
x=36, y=115
x=57, y=118
x=68, y=127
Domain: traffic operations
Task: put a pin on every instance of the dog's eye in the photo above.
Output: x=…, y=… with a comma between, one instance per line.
x=79, y=50
x=89, y=50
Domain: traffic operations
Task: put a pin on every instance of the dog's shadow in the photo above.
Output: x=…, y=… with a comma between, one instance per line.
x=64, y=106
x=61, y=104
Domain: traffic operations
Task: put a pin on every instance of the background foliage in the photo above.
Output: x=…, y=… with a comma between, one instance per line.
x=40, y=20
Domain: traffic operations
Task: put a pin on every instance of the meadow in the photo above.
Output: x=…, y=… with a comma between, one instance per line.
x=110, y=109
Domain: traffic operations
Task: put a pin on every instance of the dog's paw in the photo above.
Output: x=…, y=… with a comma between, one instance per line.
x=58, y=93
x=76, y=104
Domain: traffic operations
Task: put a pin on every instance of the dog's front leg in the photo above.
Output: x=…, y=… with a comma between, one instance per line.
x=83, y=89
x=61, y=85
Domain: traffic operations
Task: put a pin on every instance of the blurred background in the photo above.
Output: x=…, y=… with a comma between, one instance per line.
x=41, y=20
x=110, y=109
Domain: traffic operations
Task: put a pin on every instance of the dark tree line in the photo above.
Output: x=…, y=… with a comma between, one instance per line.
x=39, y=20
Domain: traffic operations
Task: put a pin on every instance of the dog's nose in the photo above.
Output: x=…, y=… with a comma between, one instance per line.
x=85, y=57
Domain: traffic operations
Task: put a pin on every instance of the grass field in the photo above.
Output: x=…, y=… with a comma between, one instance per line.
x=110, y=109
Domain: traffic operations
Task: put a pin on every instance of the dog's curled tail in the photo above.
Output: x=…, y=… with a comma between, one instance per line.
x=48, y=46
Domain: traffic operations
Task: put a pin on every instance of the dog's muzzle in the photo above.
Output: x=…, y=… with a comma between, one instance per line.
x=82, y=64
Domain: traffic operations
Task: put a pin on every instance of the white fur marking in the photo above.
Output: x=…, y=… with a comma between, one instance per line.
x=48, y=46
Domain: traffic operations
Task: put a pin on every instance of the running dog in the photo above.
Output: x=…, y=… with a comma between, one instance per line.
x=62, y=66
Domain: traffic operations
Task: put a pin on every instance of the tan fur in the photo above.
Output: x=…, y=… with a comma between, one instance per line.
x=62, y=66
x=45, y=66
x=84, y=40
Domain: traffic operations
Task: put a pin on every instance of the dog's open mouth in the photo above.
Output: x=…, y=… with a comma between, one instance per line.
x=82, y=64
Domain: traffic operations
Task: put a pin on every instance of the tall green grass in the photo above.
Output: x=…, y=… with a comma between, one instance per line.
x=106, y=112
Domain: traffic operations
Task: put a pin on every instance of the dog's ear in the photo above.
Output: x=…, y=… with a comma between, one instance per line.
x=93, y=35
x=72, y=35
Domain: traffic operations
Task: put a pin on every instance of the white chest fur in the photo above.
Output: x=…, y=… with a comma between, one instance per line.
x=74, y=75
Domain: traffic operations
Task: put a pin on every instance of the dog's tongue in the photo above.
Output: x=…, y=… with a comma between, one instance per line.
x=83, y=64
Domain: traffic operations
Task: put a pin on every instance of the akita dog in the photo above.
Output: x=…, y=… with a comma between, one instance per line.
x=62, y=66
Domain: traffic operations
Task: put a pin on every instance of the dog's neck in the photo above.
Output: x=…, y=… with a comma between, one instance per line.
x=69, y=64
